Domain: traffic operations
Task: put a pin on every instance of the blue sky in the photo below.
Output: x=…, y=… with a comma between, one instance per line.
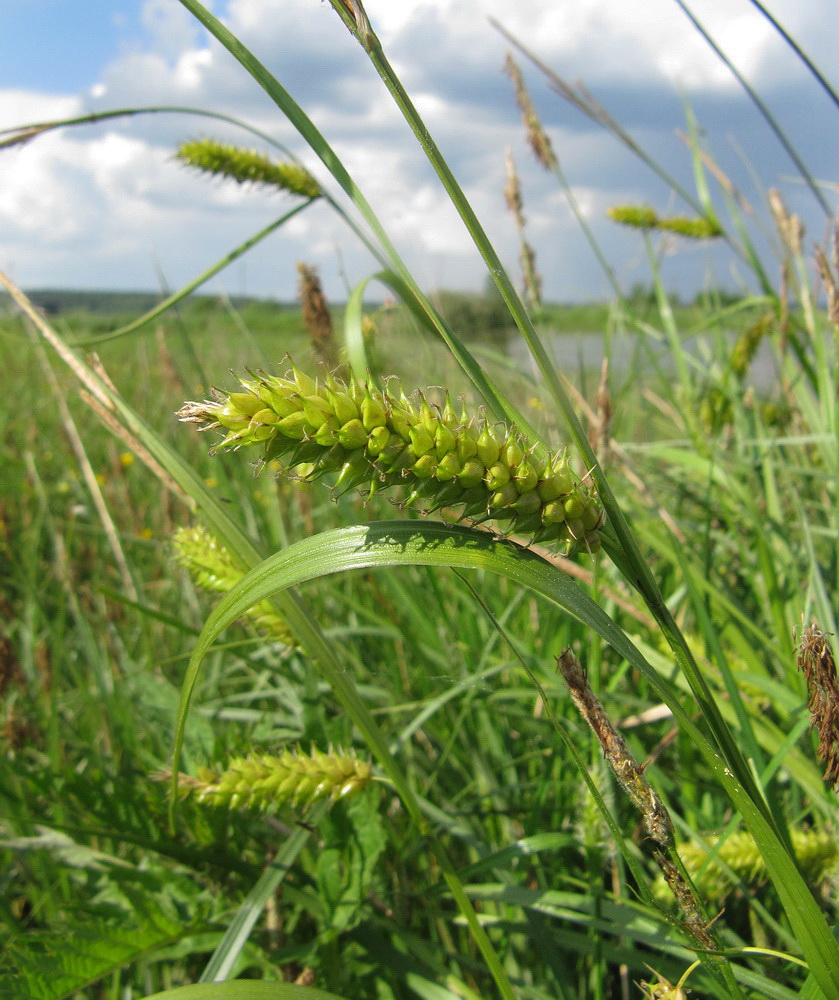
x=59, y=46
x=107, y=206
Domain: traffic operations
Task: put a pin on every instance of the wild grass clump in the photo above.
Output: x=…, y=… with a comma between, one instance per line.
x=656, y=816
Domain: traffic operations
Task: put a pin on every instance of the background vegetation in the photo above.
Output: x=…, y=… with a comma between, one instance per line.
x=729, y=483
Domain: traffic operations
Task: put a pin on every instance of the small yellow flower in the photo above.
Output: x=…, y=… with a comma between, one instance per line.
x=211, y=483
x=126, y=459
x=100, y=479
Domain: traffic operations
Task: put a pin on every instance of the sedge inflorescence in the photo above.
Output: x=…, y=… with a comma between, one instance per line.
x=247, y=166
x=263, y=781
x=370, y=438
x=212, y=568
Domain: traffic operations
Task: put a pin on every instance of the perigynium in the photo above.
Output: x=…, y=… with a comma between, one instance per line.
x=366, y=437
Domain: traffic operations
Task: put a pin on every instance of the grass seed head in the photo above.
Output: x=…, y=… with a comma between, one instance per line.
x=211, y=568
x=816, y=661
x=261, y=781
x=246, y=166
x=364, y=436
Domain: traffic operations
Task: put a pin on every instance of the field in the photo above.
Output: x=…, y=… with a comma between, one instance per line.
x=543, y=730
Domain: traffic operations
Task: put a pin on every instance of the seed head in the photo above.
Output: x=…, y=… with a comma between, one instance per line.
x=816, y=852
x=637, y=216
x=260, y=781
x=644, y=217
x=538, y=138
x=815, y=660
x=211, y=568
x=247, y=166
x=361, y=436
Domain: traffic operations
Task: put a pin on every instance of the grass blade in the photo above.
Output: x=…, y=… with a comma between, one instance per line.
x=412, y=543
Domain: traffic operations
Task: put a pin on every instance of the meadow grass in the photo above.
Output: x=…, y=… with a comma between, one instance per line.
x=668, y=824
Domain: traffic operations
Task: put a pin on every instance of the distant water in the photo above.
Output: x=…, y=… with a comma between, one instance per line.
x=580, y=356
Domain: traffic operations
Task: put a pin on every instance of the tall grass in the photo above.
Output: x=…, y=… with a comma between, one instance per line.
x=654, y=812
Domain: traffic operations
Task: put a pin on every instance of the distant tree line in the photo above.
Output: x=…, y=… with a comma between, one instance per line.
x=59, y=301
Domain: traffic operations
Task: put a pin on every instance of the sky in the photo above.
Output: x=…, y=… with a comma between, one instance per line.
x=107, y=205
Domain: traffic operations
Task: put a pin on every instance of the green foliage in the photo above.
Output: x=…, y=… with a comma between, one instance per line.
x=479, y=317
x=129, y=916
x=496, y=853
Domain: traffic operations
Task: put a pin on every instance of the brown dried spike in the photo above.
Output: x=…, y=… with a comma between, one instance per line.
x=536, y=135
x=790, y=227
x=829, y=273
x=512, y=195
x=316, y=316
x=626, y=769
x=816, y=661
x=830, y=287
x=512, y=189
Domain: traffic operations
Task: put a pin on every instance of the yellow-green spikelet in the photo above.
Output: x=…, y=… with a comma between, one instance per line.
x=365, y=436
x=211, y=568
x=817, y=854
x=261, y=781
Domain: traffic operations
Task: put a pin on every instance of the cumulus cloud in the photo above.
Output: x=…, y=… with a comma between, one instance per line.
x=106, y=205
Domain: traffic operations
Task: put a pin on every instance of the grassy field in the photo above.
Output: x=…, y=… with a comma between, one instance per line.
x=100, y=620
x=595, y=759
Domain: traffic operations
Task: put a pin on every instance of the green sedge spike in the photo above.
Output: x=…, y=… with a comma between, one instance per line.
x=637, y=216
x=644, y=217
x=361, y=436
x=247, y=166
x=698, y=228
x=746, y=347
x=211, y=568
x=261, y=781
x=816, y=852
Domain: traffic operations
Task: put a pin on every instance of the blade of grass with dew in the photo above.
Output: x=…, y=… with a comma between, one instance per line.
x=412, y=543
x=289, y=605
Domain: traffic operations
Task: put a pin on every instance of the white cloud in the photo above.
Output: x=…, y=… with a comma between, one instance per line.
x=19, y=107
x=102, y=194
x=171, y=28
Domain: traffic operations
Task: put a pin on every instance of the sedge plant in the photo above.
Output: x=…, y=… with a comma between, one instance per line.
x=679, y=617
